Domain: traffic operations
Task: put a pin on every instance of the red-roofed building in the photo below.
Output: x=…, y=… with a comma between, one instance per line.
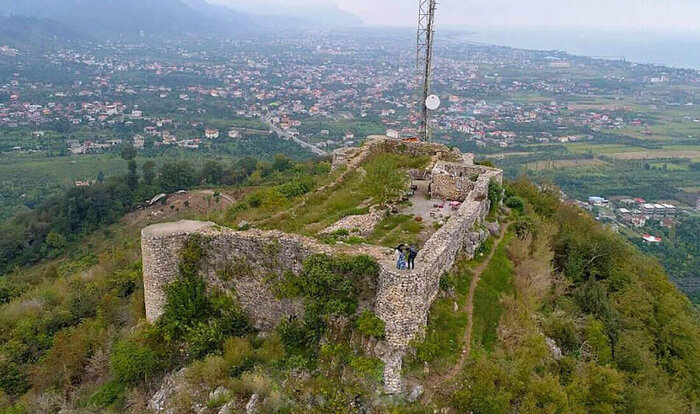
x=648, y=238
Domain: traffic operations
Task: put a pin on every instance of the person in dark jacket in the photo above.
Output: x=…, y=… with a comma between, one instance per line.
x=412, y=253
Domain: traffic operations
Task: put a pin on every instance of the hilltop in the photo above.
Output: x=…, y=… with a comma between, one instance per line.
x=281, y=295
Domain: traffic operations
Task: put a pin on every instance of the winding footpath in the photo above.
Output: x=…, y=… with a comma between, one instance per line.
x=439, y=384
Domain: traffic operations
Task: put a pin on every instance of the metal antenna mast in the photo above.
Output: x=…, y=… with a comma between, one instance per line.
x=424, y=61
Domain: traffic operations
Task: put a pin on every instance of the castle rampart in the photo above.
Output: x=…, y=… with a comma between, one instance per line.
x=244, y=262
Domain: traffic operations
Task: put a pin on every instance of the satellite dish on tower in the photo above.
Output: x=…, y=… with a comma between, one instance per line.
x=433, y=102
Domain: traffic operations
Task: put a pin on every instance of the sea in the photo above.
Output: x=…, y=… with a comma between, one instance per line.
x=675, y=49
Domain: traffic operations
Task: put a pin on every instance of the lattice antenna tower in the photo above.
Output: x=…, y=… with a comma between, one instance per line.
x=424, y=61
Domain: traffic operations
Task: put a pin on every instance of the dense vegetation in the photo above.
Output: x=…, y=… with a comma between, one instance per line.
x=54, y=224
x=628, y=339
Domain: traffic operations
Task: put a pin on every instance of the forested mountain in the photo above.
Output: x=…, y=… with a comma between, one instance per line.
x=131, y=17
x=28, y=30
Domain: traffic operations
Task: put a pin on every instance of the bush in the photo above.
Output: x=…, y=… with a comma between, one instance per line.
x=563, y=331
x=516, y=203
x=369, y=324
x=448, y=281
x=204, y=338
x=105, y=395
x=495, y=193
x=331, y=285
x=132, y=362
x=13, y=379
x=299, y=186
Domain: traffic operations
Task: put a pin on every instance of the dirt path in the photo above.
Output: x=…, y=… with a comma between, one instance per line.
x=438, y=384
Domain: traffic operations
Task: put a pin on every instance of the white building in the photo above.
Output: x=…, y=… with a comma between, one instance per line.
x=392, y=133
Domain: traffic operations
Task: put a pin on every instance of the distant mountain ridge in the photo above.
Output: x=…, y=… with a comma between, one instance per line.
x=130, y=18
x=20, y=31
x=123, y=17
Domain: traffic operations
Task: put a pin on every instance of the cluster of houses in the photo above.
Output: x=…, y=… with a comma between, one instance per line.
x=634, y=212
x=316, y=80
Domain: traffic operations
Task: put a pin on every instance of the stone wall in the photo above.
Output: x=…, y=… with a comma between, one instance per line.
x=454, y=181
x=404, y=299
x=160, y=249
x=240, y=262
x=353, y=157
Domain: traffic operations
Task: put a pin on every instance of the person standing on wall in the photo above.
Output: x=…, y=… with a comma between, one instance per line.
x=400, y=257
x=412, y=253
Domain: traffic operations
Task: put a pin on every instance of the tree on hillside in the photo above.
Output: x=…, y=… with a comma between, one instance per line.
x=132, y=178
x=212, y=172
x=176, y=175
x=149, y=172
x=384, y=180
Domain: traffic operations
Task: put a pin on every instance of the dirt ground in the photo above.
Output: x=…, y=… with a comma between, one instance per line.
x=196, y=203
x=423, y=207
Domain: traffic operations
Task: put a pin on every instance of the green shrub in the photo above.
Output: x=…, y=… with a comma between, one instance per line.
x=447, y=281
x=516, y=203
x=105, y=395
x=369, y=324
x=300, y=341
x=186, y=304
x=298, y=186
x=495, y=193
x=563, y=331
x=598, y=341
x=204, y=338
x=132, y=362
x=331, y=285
x=371, y=368
x=13, y=379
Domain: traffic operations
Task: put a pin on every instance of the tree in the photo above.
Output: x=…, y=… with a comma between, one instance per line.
x=282, y=163
x=249, y=164
x=149, y=172
x=212, y=172
x=132, y=177
x=128, y=152
x=384, y=180
x=176, y=175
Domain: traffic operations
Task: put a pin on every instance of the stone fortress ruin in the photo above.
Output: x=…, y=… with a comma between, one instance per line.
x=242, y=261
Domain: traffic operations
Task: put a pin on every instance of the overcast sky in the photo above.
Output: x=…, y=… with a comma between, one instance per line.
x=675, y=15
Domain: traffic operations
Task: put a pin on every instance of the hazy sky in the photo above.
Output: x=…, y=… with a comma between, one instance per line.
x=676, y=15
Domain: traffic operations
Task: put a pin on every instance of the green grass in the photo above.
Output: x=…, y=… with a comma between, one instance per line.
x=396, y=229
x=495, y=280
x=482, y=252
x=444, y=333
x=321, y=209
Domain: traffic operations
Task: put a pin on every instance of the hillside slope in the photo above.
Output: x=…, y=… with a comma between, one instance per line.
x=567, y=317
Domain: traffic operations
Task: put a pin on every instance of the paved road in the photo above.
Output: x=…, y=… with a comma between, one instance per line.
x=286, y=135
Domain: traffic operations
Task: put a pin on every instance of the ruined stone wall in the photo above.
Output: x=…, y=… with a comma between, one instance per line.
x=160, y=249
x=353, y=157
x=404, y=298
x=239, y=262
x=243, y=262
x=454, y=181
x=247, y=262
